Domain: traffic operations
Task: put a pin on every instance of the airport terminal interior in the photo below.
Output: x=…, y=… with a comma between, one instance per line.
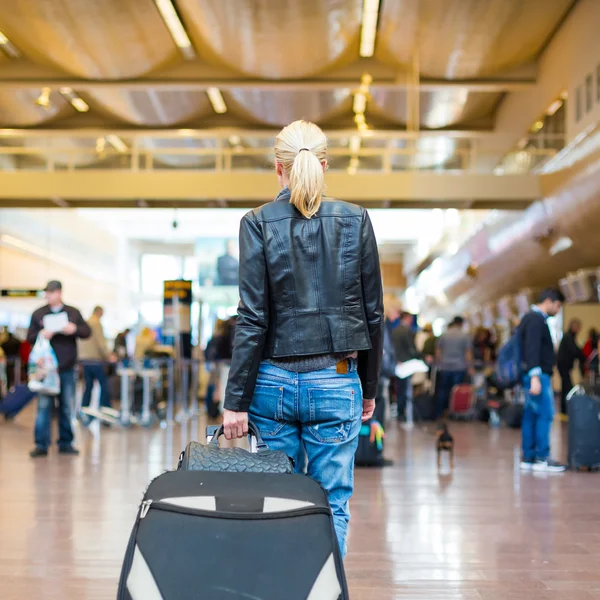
x=134, y=137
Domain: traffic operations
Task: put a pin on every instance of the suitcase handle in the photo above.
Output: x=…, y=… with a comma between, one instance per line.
x=252, y=430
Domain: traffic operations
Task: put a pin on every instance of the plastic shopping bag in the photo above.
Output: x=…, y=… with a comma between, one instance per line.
x=43, y=369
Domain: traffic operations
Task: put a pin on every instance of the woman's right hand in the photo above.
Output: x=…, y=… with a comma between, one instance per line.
x=235, y=424
x=368, y=409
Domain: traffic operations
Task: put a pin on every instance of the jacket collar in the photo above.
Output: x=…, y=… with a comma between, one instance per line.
x=284, y=195
x=537, y=309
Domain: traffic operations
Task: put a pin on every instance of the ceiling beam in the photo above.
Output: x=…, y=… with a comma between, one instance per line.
x=100, y=184
x=195, y=75
x=188, y=85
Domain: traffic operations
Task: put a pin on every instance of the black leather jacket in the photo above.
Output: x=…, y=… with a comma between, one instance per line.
x=307, y=286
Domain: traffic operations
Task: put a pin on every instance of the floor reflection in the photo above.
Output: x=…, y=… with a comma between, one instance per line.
x=482, y=531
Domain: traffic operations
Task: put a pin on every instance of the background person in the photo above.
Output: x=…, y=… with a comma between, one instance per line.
x=228, y=266
x=11, y=345
x=64, y=344
x=308, y=339
x=590, y=351
x=144, y=343
x=120, y=349
x=568, y=353
x=454, y=356
x=95, y=355
x=539, y=359
x=403, y=340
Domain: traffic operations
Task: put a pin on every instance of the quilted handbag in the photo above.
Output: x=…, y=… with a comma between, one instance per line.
x=211, y=457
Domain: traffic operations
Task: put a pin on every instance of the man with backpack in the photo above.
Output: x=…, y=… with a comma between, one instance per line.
x=538, y=359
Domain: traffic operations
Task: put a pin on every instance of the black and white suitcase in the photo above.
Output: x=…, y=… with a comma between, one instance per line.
x=584, y=428
x=218, y=536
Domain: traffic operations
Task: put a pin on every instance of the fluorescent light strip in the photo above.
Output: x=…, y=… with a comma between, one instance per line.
x=368, y=31
x=8, y=46
x=554, y=107
x=360, y=103
x=354, y=144
x=79, y=104
x=176, y=28
x=216, y=99
x=116, y=142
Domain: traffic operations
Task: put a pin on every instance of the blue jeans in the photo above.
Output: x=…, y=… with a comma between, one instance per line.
x=315, y=418
x=43, y=419
x=538, y=414
x=446, y=380
x=95, y=372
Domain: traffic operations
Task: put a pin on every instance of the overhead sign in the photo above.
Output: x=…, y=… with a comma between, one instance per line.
x=21, y=293
x=177, y=315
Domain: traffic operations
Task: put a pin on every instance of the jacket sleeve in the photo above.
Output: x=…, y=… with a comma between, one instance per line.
x=83, y=329
x=369, y=361
x=532, y=345
x=253, y=318
x=34, y=329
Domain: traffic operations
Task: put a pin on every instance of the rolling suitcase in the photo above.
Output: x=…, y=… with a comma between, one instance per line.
x=462, y=401
x=584, y=428
x=512, y=414
x=203, y=534
x=16, y=400
x=424, y=407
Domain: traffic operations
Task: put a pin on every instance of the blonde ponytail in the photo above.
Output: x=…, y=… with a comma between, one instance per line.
x=301, y=149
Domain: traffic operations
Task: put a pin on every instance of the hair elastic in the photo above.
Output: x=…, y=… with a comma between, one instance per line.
x=301, y=149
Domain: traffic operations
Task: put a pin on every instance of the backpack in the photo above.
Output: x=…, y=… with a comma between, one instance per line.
x=509, y=365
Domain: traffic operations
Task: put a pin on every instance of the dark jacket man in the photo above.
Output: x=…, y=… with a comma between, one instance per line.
x=64, y=346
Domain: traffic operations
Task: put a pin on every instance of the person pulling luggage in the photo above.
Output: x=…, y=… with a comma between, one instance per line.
x=308, y=339
x=569, y=352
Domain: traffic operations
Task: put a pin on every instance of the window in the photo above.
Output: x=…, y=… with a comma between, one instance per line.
x=156, y=268
x=578, y=105
x=588, y=94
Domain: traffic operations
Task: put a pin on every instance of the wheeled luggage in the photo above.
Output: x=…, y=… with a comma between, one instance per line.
x=512, y=415
x=369, y=452
x=462, y=401
x=584, y=428
x=424, y=407
x=16, y=400
x=202, y=534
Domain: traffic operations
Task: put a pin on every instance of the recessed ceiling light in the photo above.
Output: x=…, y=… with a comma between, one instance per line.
x=43, y=99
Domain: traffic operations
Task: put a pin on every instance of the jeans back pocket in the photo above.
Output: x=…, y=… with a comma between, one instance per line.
x=332, y=413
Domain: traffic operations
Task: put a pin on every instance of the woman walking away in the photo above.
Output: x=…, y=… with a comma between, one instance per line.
x=308, y=339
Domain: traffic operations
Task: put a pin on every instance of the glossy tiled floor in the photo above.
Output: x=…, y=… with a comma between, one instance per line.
x=485, y=532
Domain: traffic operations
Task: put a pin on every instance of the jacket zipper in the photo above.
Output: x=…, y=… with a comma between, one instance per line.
x=143, y=511
x=196, y=512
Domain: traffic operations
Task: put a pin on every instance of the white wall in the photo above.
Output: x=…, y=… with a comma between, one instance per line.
x=94, y=267
x=573, y=53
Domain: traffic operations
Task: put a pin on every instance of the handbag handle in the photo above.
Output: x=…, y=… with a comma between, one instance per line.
x=252, y=430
